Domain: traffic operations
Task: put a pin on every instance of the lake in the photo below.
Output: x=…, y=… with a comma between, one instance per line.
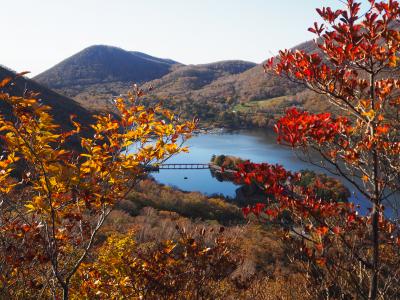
x=257, y=146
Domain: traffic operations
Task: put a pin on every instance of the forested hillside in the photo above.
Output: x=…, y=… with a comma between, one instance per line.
x=246, y=99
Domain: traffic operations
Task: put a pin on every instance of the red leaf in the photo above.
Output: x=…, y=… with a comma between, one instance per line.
x=22, y=73
x=336, y=230
x=246, y=211
x=351, y=218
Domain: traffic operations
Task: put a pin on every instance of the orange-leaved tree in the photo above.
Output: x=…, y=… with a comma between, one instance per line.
x=355, y=66
x=55, y=199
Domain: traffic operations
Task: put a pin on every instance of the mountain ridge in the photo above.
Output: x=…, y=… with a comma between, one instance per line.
x=103, y=64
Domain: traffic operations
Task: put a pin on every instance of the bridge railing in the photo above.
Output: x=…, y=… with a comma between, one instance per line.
x=191, y=166
x=183, y=166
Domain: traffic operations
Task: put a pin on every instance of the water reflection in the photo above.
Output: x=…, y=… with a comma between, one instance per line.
x=257, y=146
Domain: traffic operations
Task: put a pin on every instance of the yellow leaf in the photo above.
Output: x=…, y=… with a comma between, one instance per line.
x=365, y=102
x=30, y=207
x=53, y=181
x=369, y=114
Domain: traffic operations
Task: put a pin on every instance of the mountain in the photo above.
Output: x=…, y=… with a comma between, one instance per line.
x=241, y=85
x=216, y=92
x=247, y=91
x=98, y=73
x=103, y=64
x=61, y=107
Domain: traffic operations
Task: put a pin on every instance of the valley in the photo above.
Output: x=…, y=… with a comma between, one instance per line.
x=183, y=164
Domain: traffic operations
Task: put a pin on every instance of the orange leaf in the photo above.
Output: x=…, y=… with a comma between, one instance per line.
x=322, y=230
x=25, y=227
x=382, y=129
x=5, y=81
x=321, y=261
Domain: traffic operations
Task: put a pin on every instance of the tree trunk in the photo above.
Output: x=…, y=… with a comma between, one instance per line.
x=373, y=288
x=66, y=292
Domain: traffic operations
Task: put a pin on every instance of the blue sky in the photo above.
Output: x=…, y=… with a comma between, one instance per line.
x=36, y=35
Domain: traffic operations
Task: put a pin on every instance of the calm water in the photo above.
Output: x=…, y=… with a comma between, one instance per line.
x=257, y=146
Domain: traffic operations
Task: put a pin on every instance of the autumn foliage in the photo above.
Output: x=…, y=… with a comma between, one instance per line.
x=55, y=195
x=182, y=269
x=348, y=254
x=54, y=199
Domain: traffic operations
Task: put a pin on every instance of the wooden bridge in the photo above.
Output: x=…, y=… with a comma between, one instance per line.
x=156, y=168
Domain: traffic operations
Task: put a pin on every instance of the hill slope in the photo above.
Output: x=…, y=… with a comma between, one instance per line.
x=62, y=107
x=224, y=97
x=103, y=64
x=247, y=84
x=155, y=59
x=186, y=79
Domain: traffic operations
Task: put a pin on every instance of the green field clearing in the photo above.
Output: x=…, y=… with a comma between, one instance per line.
x=267, y=104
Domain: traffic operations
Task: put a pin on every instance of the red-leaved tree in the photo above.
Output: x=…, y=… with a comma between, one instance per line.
x=355, y=67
